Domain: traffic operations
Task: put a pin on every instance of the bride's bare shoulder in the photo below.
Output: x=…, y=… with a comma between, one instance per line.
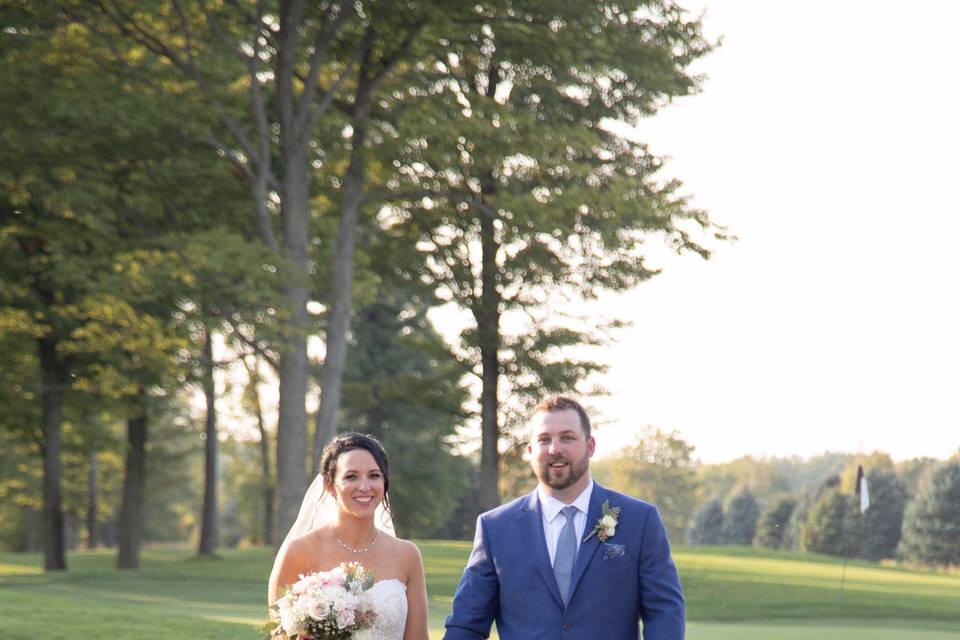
x=408, y=552
x=308, y=544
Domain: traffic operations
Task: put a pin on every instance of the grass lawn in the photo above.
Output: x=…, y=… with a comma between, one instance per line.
x=732, y=593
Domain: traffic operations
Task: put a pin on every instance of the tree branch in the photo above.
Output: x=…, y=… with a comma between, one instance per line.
x=321, y=45
x=128, y=26
x=118, y=56
x=264, y=171
x=272, y=360
x=330, y=94
x=188, y=46
x=388, y=63
x=260, y=181
x=221, y=33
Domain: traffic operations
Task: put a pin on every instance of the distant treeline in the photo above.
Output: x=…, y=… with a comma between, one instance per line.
x=779, y=503
x=805, y=504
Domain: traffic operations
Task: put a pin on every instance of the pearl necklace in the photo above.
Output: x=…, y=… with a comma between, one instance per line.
x=343, y=544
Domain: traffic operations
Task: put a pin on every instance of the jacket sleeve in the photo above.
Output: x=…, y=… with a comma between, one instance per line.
x=475, y=603
x=661, y=596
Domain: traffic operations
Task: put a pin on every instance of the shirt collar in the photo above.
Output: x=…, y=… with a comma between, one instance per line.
x=551, y=507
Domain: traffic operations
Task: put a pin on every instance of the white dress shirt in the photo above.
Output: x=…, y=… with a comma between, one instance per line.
x=553, y=521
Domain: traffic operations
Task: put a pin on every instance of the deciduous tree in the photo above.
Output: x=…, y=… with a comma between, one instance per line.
x=659, y=468
x=519, y=194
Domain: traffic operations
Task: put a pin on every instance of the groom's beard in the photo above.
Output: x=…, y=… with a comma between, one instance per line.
x=565, y=478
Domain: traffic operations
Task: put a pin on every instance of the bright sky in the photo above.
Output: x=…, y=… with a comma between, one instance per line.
x=826, y=139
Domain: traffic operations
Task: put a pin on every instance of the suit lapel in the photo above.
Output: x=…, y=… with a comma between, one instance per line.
x=531, y=523
x=588, y=548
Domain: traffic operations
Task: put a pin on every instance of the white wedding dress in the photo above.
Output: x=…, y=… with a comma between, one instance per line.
x=390, y=602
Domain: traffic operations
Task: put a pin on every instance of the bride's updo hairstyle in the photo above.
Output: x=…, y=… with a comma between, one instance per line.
x=350, y=442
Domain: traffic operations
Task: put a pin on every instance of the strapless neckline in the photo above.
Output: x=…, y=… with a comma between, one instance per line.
x=397, y=580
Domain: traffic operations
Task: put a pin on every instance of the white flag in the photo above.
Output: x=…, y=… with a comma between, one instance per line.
x=862, y=491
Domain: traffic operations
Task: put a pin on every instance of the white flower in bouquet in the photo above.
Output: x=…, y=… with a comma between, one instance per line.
x=329, y=605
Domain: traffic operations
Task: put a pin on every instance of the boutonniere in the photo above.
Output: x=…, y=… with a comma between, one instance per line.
x=606, y=524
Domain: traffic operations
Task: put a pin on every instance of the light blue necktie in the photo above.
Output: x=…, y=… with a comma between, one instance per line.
x=566, y=554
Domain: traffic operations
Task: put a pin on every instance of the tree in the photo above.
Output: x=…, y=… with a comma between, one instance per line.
x=21, y=479
x=271, y=78
x=517, y=191
x=220, y=282
x=830, y=525
x=209, y=520
x=931, y=525
x=764, y=477
x=403, y=385
x=740, y=523
x=253, y=404
x=913, y=473
x=61, y=172
x=794, y=534
x=877, y=460
x=879, y=527
x=805, y=474
x=87, y=191
x=659, y=468
x=773, y=523
x=708, y=524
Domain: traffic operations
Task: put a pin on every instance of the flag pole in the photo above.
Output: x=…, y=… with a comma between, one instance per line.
x=843, y=580
x=863, y=503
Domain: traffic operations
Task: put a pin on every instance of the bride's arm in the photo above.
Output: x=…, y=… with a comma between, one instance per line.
x=288, y=565
x=416, y=627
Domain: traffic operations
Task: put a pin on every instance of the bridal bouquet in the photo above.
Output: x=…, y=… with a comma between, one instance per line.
x=328, y=605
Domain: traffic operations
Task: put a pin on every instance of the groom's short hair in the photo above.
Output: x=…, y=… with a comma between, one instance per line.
x=562, y=403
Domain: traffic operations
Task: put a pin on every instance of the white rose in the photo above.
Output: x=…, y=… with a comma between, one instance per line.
x=319, y=609
x=608, y=522
x=345, y=617
x=346, y=602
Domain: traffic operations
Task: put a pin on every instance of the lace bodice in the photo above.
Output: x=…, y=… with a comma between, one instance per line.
x=390, y=602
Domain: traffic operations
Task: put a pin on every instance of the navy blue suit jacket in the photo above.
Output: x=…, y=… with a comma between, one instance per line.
x=629, y=577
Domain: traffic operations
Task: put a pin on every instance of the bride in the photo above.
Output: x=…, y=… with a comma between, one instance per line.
x=340, y=521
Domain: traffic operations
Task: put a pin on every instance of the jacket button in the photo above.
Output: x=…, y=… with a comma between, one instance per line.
x=567, y=627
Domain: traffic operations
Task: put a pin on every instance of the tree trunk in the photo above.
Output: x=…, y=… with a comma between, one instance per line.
x=268, y=493
x=295, y=208
x=292, y=422
x=130, y=526
x=208, y=522
x=268, y=497
x=53, y=384
x=341, y=302
x=92, y=502
x=487, y=315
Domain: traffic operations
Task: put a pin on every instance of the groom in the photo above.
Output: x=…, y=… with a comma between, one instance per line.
x=572, y=560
